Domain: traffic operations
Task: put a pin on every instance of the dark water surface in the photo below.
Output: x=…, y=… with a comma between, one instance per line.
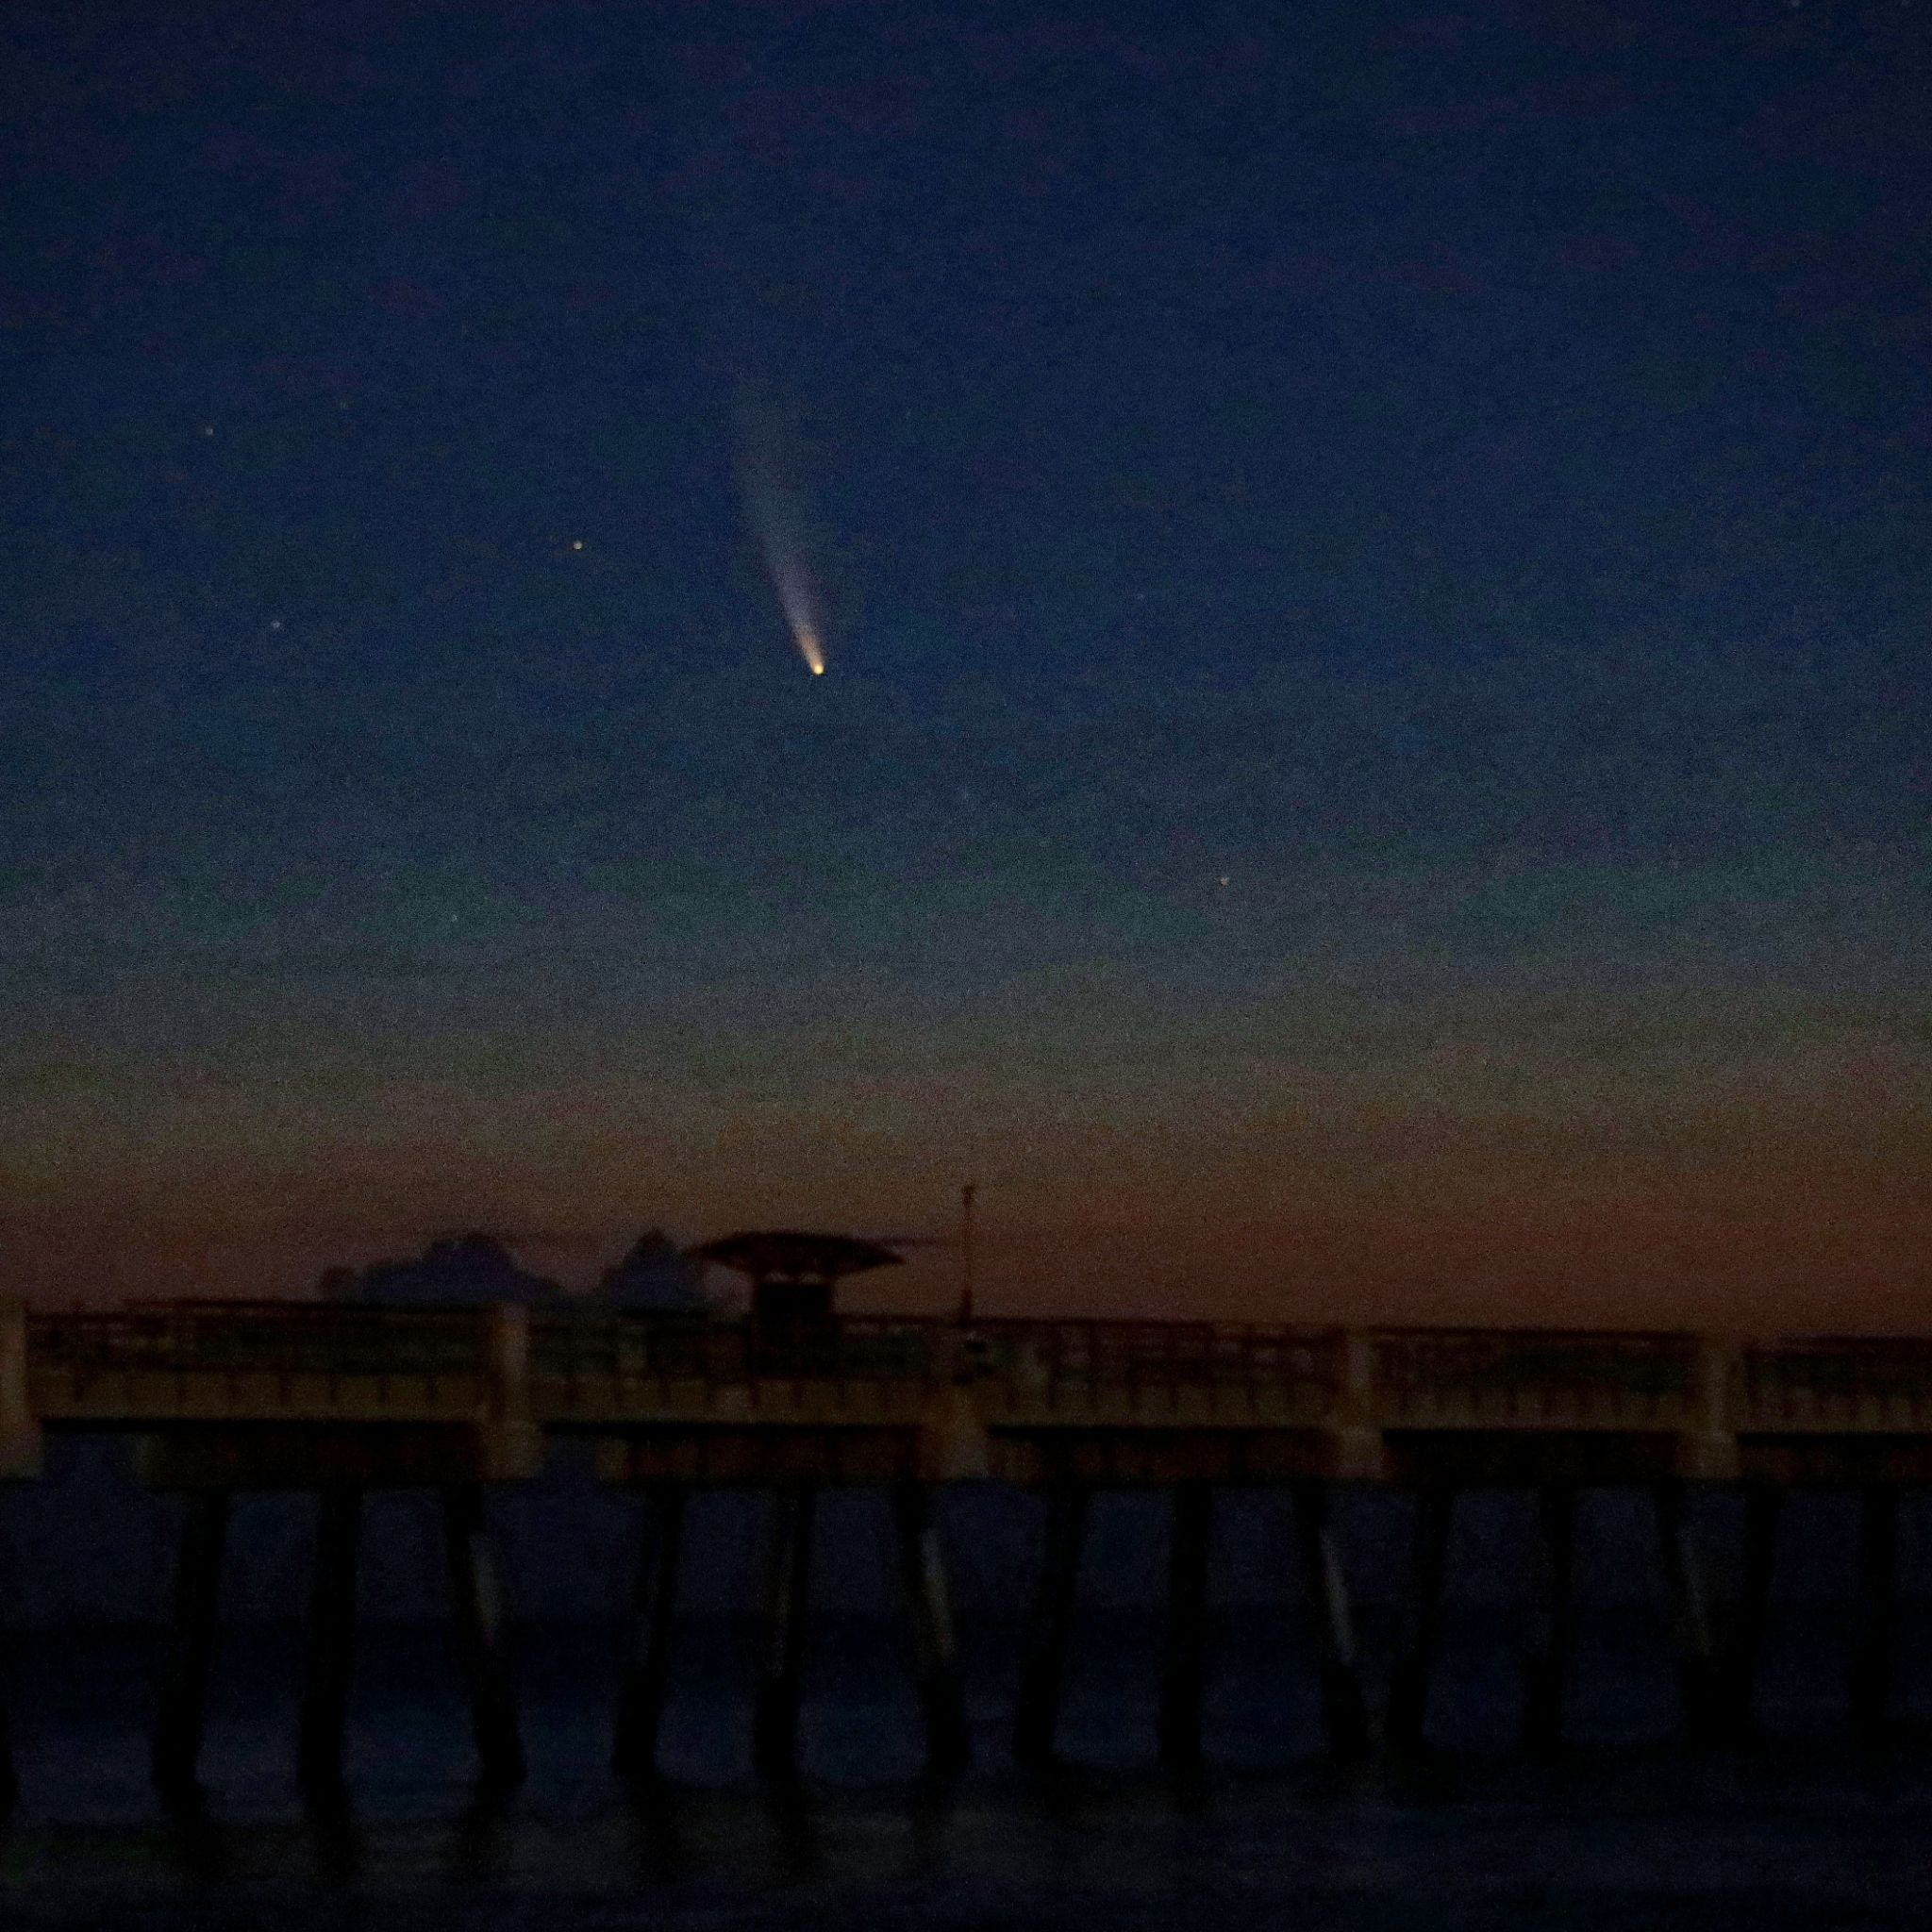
x=1627, y=1831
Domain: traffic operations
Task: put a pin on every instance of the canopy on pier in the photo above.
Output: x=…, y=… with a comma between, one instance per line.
x=792, y=1273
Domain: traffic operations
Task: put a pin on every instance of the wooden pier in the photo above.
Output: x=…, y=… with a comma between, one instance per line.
x=335, y=1400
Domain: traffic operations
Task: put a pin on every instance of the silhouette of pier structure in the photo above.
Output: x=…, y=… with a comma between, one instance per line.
x=337, y=1400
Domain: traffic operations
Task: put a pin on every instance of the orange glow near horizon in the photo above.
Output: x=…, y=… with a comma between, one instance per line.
x=1764, y=1246
x=1488, y=1170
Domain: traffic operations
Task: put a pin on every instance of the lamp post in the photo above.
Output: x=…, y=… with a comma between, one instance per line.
x=966, y=1194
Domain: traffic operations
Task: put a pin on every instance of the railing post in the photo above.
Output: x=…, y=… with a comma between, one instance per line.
x=1708, y=1448
x=512, y=1442
x=20, y=1429
x=953, y=1444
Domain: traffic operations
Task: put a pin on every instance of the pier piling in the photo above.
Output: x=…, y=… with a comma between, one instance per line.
x=1042, y=1673
x=1744, y=1641
x=476, y=1626
x=1185, y=1666
x=935, y=1649
x=182, y=1711
x=1690, y=1606
x=647, y=1649
x=788, y=1595
x=329, y=1642
x=1406, y=1719
x=1547, y=1669
x=9, y=1777
x=1870, y=1667
x=1344, y=1713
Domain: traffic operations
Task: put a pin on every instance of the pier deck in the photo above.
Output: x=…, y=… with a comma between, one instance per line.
x=1021, y=1400
x=338, y=1399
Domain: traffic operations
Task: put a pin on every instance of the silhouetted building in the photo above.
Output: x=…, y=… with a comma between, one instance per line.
x=655, y=1273
x=453, y=1271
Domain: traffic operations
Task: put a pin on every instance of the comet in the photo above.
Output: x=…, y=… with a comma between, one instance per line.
x=798, y=601
x=775, y=508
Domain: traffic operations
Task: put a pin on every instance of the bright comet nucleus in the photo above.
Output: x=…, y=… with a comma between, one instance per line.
x=795, y=597
x=775, y=508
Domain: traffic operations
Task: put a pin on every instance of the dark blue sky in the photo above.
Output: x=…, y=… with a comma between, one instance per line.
x=1375, y=742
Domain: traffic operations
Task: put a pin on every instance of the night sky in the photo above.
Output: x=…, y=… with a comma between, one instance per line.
x=1374, y=570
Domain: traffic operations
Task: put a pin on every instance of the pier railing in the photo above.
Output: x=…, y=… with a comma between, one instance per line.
x=1488, y=1378
x=254, y=1337
x=565, y=1367
x=1876, y=1385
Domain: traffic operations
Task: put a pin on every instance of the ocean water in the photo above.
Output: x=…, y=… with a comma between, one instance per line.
x=1626, y=1829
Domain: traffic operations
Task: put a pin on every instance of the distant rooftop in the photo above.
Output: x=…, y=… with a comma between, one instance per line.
x=794, y=1255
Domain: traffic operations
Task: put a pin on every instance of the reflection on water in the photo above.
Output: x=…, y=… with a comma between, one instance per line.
x=1627, y=1831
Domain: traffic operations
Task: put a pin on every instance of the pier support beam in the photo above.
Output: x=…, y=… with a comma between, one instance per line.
x=647, y=1646
x=787, y=1604
x=329, y=1643
x=20, y=1428
x=182, y=1711
x=1546, y=1667
x=1043, y=1672
x=1691, y=1636
x=20, y=1454
x=1344, y=1714
x=1870, y=1672
x=1405, y=1722
x=1744, y=1641
x=1185, y=1665
x=935, y=1650
x=476, y=1626
x=510, y=1442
